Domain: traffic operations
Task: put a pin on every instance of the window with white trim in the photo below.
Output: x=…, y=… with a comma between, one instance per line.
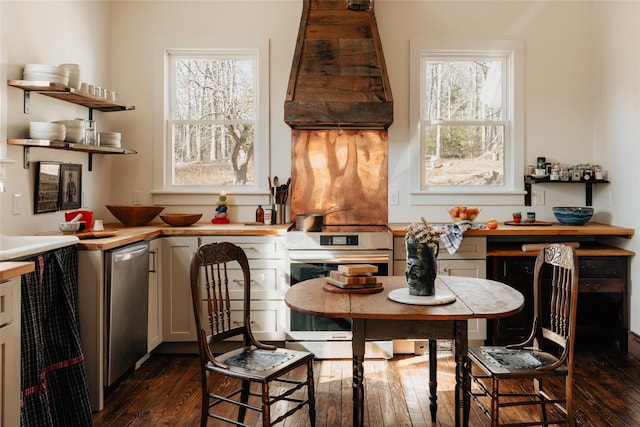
x=216, y=119
x=466, y=116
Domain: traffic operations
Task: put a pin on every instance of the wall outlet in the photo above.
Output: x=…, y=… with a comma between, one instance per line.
x=420, y=347
x=137, y=198
x=539, y=197
x=16, y=204
x=394, y=197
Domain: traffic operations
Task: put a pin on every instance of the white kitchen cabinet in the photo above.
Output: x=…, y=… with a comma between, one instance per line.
x=10, y=352
x=154, y=335
x=268, y=262
x=468, y=261
x=178, y=324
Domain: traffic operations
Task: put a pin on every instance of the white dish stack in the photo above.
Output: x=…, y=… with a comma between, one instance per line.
x=74, y=130
x=109, y=139
x=74, y=74
x=46, y=130
x=47, y=73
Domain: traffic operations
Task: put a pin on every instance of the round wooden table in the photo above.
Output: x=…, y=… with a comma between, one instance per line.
x=375, y=316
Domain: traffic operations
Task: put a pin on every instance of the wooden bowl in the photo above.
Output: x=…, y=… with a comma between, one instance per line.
x=134, y=215
x=180, y=220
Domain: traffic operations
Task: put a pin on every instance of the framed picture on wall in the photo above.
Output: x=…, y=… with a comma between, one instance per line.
x=47, y=191
x=70, y=186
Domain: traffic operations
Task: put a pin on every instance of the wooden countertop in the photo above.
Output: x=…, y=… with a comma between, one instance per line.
x=126, y=235
x=9, y=269
x=555, y=229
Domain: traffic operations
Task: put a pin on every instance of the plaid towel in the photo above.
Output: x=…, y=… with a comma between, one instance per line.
x=453, y=234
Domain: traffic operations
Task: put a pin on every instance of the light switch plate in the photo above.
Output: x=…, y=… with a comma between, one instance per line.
x=16, y=204
x=539, y=197
x=394, y=197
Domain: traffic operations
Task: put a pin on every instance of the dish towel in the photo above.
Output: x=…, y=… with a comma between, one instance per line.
x=453, y=234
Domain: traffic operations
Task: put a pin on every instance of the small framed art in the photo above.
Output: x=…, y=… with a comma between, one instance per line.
x=70, y=186
x=47, y=188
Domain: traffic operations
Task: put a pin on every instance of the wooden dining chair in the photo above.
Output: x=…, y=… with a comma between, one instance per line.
x=547, y=353
x=254, y=362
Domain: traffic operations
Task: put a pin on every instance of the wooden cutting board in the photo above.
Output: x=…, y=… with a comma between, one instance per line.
x=96, y=234
x=368, y=290
x=355, y=269
x=352, y=280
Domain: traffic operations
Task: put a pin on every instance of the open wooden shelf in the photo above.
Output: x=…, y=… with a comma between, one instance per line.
x=59, y=145
x=529, y=180
x=67, y=94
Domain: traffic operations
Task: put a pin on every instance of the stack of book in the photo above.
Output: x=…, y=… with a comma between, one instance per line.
x=354, y=276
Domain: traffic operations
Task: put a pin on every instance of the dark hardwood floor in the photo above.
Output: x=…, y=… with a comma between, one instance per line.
x=166, y=391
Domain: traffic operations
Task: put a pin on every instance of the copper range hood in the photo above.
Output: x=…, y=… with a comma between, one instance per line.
x=339, y=107
x=338, y=76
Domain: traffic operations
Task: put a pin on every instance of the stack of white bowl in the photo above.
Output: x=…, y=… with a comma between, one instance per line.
x=46, y=130
x=74, y=130
x=74, y=74
x=47, y=73
x=109, y=139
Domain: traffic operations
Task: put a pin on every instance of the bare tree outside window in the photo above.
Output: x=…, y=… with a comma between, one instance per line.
x=463, y=131
x=213, y=119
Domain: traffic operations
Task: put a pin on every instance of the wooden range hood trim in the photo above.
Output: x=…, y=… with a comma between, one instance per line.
x=349, y=101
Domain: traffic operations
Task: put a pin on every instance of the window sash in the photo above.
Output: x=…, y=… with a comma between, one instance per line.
x=258, y=50
x=510, y=55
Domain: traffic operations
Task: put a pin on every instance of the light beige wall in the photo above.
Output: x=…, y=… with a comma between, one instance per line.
x=48, y=32
x=616, y=118
x=115, y=43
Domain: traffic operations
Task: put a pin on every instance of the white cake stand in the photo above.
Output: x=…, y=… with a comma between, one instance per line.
x=442, y=296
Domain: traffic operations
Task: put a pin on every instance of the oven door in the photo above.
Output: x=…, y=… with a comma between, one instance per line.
x=305, y=265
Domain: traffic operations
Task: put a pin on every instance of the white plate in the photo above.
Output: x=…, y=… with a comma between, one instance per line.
x=539, y=176
x=442, y=296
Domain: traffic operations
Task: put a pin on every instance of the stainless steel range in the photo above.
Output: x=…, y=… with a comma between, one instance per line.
x=315, y=254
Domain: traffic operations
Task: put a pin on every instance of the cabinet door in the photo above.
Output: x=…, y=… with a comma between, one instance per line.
x=517, y=272
x=10, y=352
x=178, y=324
x=154, y=335
x=477, y=328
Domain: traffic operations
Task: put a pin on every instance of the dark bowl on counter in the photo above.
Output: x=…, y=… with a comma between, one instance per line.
x=573, y=215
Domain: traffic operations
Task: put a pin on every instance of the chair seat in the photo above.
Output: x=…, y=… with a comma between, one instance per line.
x=259, y=364
x=522, y=362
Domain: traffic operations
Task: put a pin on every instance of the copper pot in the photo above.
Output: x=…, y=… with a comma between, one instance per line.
x=315, y=221
x=309, y=222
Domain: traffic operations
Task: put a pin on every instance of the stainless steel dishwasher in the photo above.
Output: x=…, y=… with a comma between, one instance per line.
x=126, y=299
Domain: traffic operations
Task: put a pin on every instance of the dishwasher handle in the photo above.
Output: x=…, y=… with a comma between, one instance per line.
x=130, y=253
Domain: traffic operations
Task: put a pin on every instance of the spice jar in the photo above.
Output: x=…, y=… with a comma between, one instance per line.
x=260, y=214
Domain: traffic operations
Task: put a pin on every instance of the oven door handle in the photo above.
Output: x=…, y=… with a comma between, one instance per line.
x=356, y=259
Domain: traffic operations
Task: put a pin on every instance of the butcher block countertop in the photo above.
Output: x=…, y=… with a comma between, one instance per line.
x=555, y=229
x=9, y=269
x=125, y=235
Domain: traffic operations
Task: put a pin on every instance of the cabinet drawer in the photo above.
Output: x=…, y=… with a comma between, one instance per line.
x=6, y=302
x=602, y=266
x=256, y=247
x=264, y=317
x=603, y=285
x=470, y=248
x=265, y=282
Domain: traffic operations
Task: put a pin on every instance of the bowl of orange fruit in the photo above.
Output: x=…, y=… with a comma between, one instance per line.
x=463, y=213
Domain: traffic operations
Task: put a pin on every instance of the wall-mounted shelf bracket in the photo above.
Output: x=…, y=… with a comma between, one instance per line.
x=25, y=157
x=26, y=101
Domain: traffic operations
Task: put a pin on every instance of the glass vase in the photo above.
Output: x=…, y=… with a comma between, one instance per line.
x=422, y=268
